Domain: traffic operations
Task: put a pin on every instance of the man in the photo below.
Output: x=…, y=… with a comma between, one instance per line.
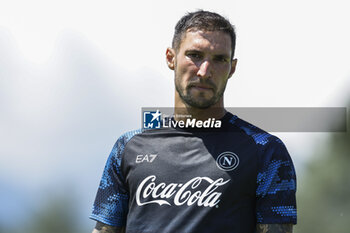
x=232, y=178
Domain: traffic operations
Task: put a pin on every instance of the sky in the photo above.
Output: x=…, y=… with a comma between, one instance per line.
x=75, y=74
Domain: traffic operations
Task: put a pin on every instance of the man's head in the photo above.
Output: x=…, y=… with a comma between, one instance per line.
x=204, y=21
x=201, y=58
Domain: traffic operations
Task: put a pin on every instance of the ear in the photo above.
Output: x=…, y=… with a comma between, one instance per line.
x=233, y=67
x=170, y=58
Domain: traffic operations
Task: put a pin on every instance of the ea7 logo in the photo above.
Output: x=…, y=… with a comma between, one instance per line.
x=145, y=158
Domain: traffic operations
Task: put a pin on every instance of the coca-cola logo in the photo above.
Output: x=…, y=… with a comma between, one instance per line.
x=149, y=192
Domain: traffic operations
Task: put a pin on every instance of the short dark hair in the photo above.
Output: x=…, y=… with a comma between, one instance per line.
x=206, y=21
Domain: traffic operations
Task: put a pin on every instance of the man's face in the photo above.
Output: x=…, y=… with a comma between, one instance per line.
x=202, y=67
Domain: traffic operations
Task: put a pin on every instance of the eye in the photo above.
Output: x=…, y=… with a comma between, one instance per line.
x=194, y=55
x=220, y=59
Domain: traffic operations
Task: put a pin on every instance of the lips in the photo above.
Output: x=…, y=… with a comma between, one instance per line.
x=201, y=87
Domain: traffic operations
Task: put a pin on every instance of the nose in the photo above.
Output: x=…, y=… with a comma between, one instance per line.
x=204, y=69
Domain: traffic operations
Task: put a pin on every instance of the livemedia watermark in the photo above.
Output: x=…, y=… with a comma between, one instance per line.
x=271, y=119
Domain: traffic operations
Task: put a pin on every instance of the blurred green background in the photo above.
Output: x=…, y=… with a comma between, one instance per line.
x=323, y=194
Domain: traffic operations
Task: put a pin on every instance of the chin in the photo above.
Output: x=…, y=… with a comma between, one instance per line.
x=204, y=104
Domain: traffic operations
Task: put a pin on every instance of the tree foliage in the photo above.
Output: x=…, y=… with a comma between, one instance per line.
x=324, y=188
x=56, y=214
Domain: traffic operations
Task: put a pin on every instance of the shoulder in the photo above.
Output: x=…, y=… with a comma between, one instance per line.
x=119, y=146
x=270, y=148
x=124, y=139
x=128, y=136
x=259, y=136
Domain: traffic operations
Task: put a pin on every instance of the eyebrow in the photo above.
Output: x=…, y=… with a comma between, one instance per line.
x=193, y=51
x=221, y=55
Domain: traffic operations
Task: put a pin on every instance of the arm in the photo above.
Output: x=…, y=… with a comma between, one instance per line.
x=274, y=228
x=276, y=188
x=111, y=202
x=104, y=228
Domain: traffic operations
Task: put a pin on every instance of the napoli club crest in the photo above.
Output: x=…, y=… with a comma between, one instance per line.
x=227, y=161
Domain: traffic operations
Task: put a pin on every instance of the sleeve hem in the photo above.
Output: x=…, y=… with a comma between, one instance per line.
x=292, y=221
x=105, y=221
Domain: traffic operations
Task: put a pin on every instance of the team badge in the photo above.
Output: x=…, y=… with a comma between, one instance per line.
x=227, y=161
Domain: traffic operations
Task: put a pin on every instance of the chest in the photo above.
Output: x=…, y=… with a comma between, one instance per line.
x=190, y=170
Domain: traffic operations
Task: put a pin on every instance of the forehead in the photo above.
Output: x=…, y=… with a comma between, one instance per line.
x=217, y=41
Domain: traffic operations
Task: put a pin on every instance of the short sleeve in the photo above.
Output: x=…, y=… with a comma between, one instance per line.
x=111, y=203
x=276, y=186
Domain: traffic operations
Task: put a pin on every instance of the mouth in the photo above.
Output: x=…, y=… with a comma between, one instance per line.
x=201, y=87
